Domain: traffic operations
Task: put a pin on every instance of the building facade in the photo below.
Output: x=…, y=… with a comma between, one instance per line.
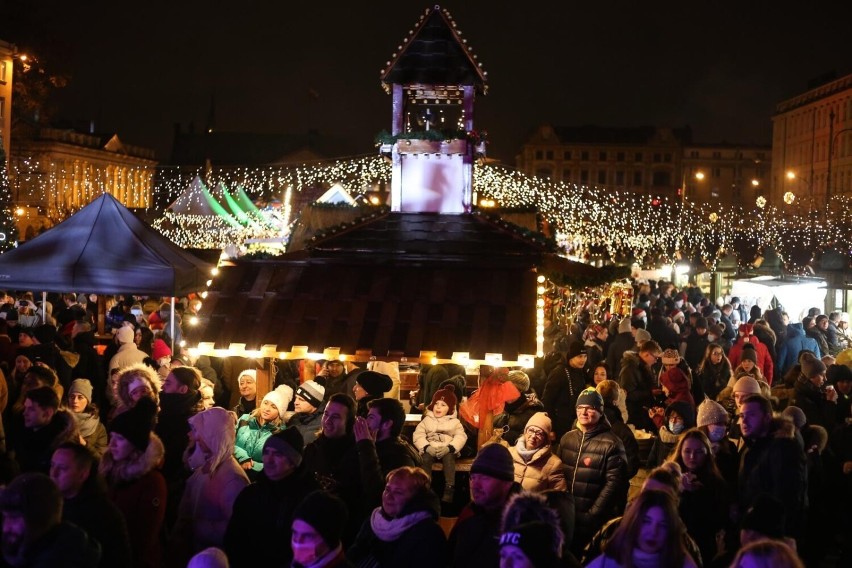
x=656, y=161
x=6, y=73
x=727, y=174
x=55, y=172
x=812, y=142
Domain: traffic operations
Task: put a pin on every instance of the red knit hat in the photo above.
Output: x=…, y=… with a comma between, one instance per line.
x=448, y=396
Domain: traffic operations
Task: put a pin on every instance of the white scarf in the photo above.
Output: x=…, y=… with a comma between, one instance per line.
x=391, y=529
x=522, y=450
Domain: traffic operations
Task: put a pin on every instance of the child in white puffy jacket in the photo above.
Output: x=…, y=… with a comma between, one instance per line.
x=440, y=436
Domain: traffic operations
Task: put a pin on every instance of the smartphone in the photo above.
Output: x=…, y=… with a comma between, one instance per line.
x=24, y=303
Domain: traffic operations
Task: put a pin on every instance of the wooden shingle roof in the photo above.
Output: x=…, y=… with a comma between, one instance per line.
x=434, y=54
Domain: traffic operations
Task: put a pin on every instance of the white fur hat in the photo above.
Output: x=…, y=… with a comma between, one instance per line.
x=281, y=398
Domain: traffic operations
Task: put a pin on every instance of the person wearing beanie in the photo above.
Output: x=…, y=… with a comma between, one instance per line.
x=474, y=539
x=254, y=429
x=308, y=404
x=695, y=344
x=818, y=402
x=517, y=412
x=596, y=467
x=85, y=412
x=33, y=531
x=563, y=385
x=369, y=385
x=247, y=391
x=743, y=387
x=217, y=478
x=714, y=420
x=531, y=544
x=262, y=507
x=128, y=353
x=161, y=353
x=130, y=468
x=520, y=379
x=840, y=376
x=440, y=436
x=316, y=532
x=642, y=335
x=764, y=359
x=536, y=468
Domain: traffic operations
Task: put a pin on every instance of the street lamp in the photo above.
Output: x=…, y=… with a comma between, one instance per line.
x=791, y=175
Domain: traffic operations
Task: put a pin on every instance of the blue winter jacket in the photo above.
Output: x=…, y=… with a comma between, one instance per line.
x=788, y=352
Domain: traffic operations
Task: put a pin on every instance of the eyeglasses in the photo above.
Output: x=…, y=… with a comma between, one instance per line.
x=533, y=431
x=584, y=409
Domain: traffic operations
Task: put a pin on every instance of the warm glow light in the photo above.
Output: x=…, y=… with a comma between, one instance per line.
x=214, y=271
x=540, y=279
x=760, y=202
x=193, y=320
x=699, y=175
x=791, y=174
x=19, y=211
x=755, y=182
x=789, y=198
x=375, y=200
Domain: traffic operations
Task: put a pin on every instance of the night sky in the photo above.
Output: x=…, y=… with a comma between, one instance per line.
x=720, y=67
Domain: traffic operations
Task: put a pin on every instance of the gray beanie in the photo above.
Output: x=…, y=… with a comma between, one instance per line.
x=82, y=386
x=711, y=412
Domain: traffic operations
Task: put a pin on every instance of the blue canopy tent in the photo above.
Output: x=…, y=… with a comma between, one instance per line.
x=103, y=249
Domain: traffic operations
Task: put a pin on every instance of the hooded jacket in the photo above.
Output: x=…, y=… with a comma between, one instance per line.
x=775, y=464
x=211, y=490
x=139, y=491
x=596, y=472
x=797, y=341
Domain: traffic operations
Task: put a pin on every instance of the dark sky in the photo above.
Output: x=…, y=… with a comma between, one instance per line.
x=719, y=66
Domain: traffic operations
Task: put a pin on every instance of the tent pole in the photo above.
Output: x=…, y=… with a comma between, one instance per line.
x=43, y=310
x=172, y=325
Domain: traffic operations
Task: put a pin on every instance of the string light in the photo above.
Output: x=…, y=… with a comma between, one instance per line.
x=588, y=221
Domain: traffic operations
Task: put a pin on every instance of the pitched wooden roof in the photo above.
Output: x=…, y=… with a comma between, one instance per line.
x=390, y=282
x=434, y=53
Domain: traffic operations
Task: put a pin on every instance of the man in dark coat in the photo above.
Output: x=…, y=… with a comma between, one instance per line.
x=473, y=541
x=638, y=381
x=264, y=510
x=333, y=460
x=623, y=342
x=563, y=385
x=596, y=464
x=34, y=533
x=74, y=470
x=45, y=428
x=380, y=447
x=771, y=462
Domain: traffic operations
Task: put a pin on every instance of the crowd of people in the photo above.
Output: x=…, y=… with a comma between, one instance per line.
x=138, y=456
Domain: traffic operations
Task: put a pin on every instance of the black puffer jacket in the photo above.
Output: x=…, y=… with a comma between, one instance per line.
x=638, y=381
x=596, y=472
x=516, y=414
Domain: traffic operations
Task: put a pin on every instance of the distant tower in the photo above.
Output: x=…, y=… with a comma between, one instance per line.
x=434, y=79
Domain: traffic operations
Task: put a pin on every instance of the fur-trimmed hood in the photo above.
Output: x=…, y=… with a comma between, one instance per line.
x=782, y=427
x=129, y=470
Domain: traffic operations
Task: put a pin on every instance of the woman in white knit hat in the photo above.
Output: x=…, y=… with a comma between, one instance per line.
x=253, y=429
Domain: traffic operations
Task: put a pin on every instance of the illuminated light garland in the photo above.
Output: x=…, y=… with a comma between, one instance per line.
x=588, y=221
